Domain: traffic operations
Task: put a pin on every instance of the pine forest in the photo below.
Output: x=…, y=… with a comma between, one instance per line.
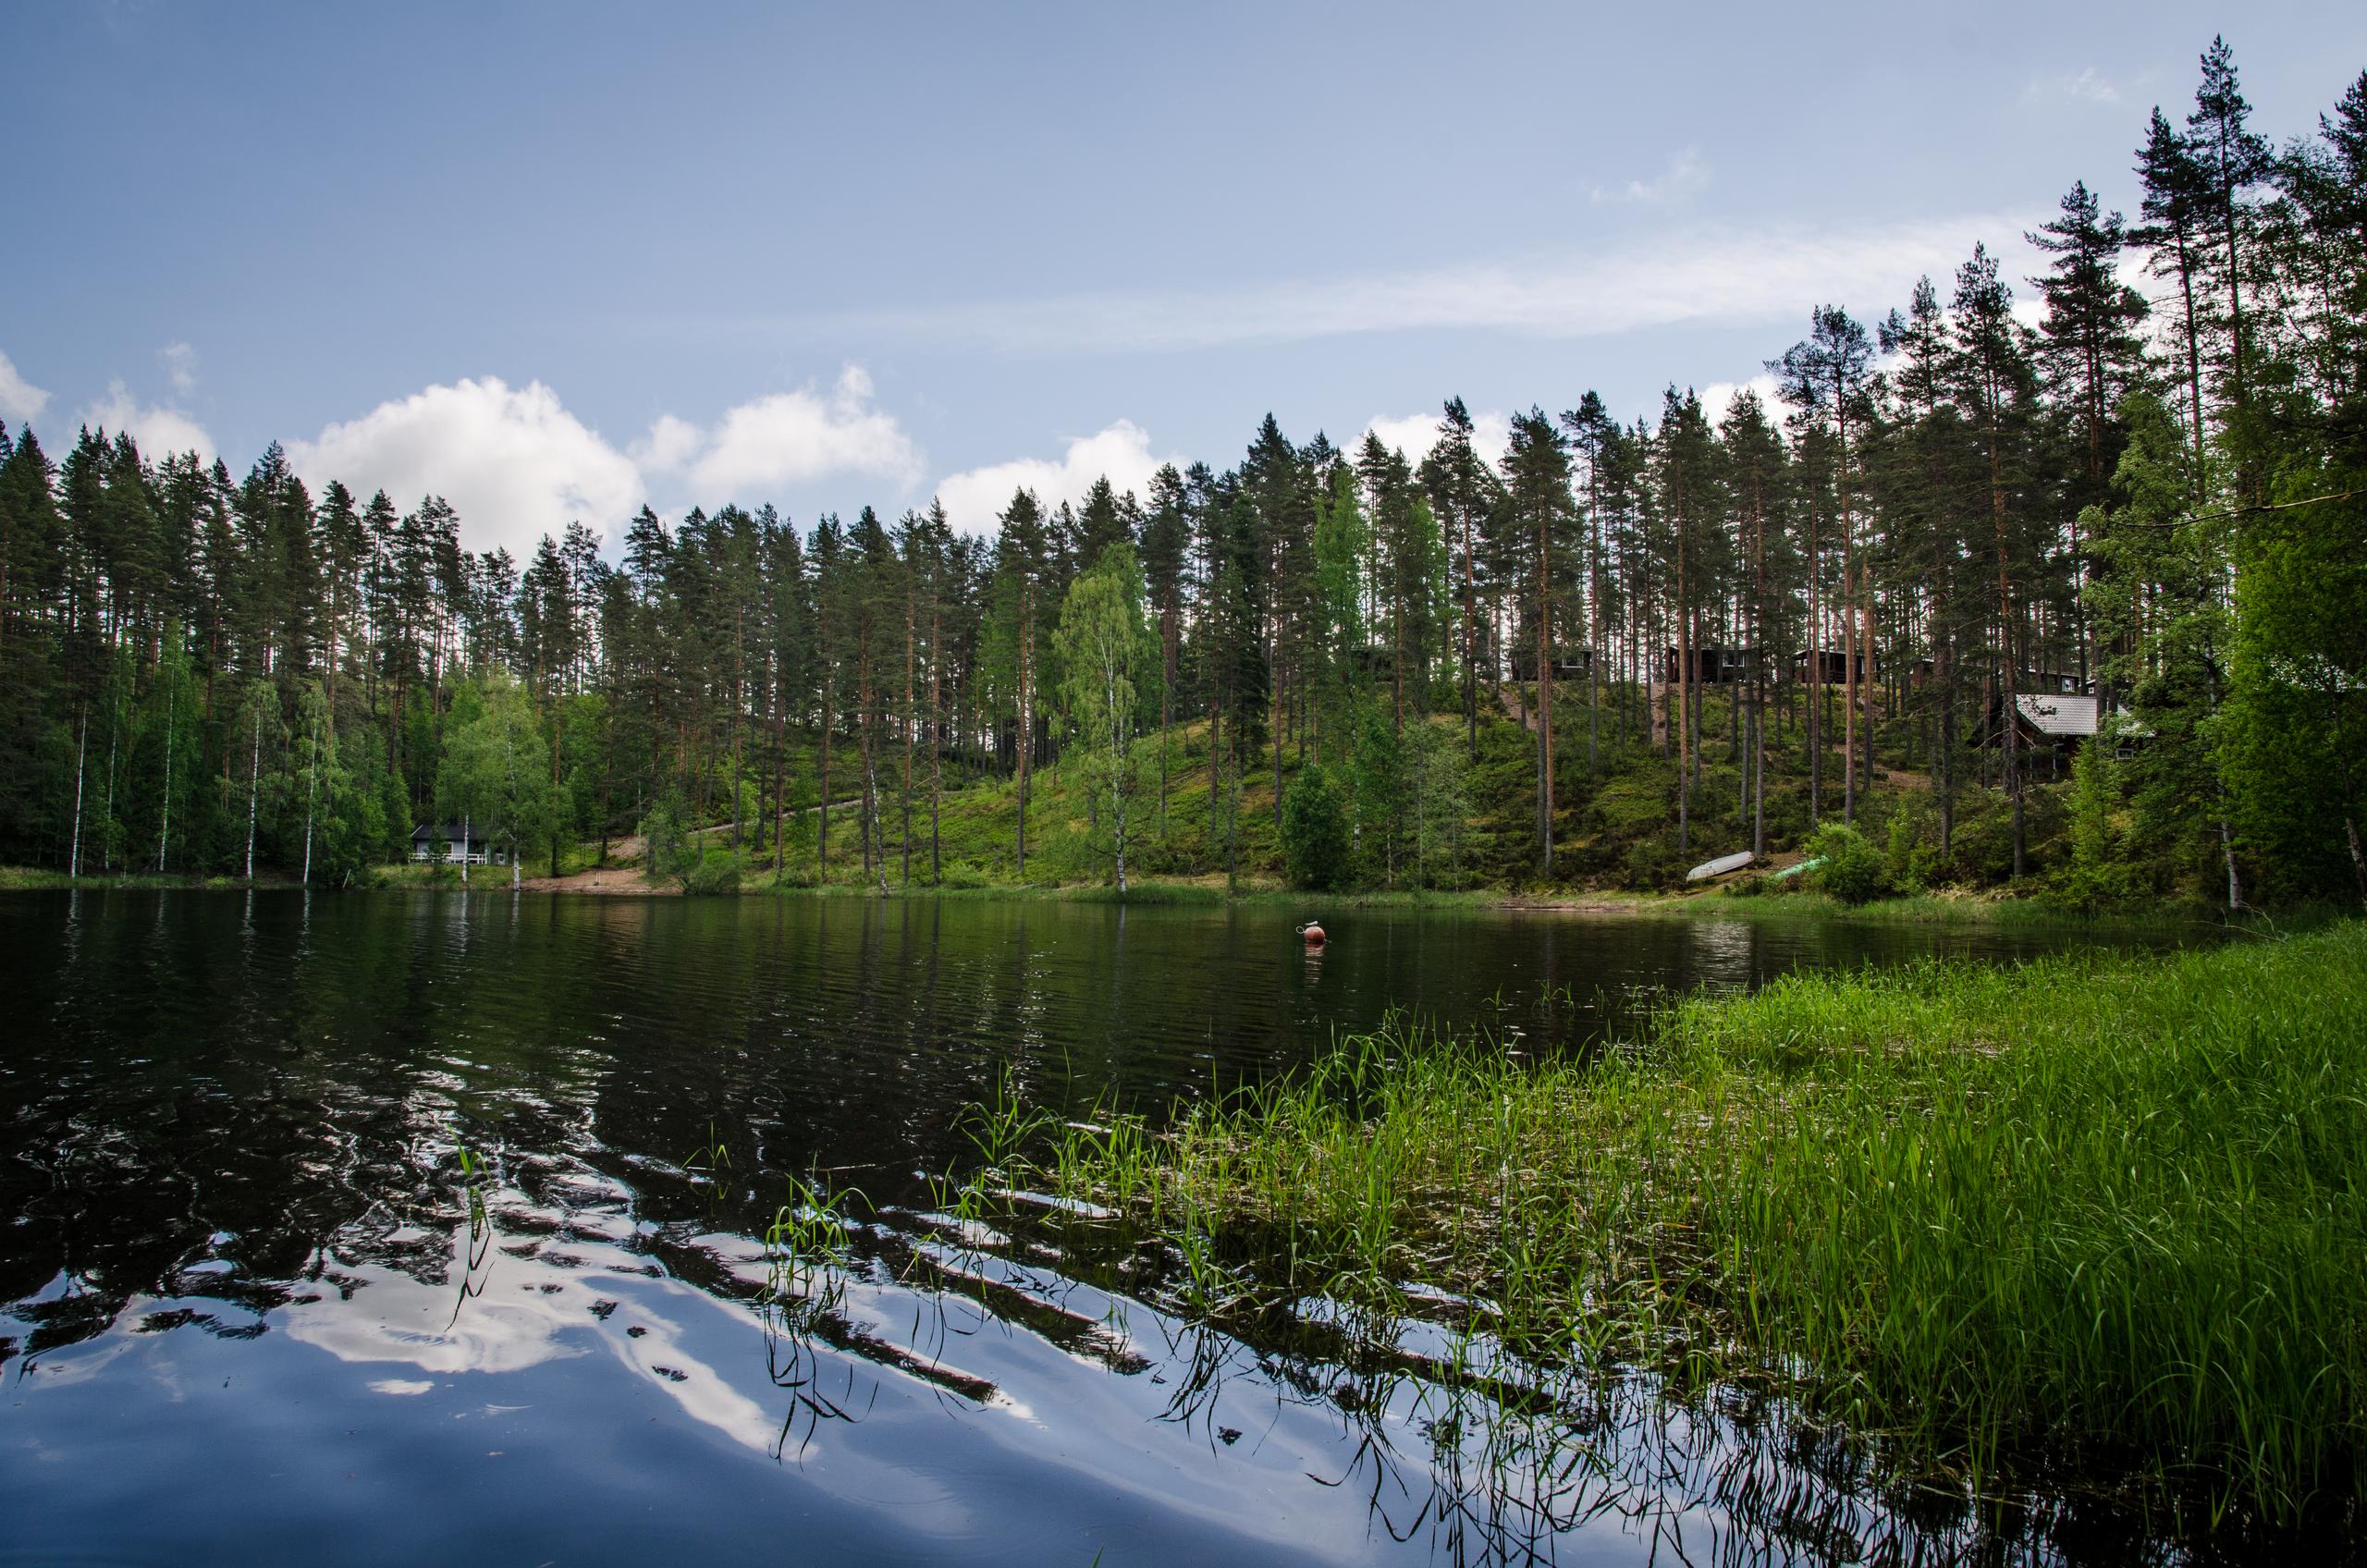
x=2127, y=494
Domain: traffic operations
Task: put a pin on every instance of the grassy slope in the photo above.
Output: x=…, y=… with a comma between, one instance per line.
x=2100, y=1212
x=1615, y=831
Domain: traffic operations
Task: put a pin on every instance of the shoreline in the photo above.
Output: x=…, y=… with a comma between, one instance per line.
x=624, y=881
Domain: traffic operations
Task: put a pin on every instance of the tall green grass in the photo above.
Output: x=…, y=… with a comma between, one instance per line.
x=2098, y=1223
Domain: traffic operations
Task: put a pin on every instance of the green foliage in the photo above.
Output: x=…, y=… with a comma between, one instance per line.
x=496, y=773
x=714, y=871
x=1909, y=858
x=1103, y=645
x=669, y=854
x=2295, y=724
x=1853, y=870
x=1316, y=849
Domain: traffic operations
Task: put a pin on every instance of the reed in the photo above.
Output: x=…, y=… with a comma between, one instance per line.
x=2096, y=1223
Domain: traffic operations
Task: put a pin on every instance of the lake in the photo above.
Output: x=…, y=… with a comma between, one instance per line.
x=257, y=1309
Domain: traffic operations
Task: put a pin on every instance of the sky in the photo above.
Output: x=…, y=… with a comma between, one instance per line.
x=558, y=262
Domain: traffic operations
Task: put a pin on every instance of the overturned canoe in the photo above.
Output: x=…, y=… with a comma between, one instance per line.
x=1720, y=865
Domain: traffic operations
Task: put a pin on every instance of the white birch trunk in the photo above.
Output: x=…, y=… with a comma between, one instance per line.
x=81, y=750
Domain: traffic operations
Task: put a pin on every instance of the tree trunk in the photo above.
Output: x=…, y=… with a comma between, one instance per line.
x=1544, y=694
x=312, y=797
x=254, y=787
x=1470, y=642
x=936, y=739
x=2358, y=861
x=83, y=750
x=1684, y=697
x=908, y=739
x=1026, y=726
x=1815, y=692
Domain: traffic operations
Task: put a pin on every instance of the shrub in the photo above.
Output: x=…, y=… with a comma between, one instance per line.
x=670, y=854
x=1907, y=860
x=715, y=872
x=1852, y=871
x=1315, y=831
x=1655, y=866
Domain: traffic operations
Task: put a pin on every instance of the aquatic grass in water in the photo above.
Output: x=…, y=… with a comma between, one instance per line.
x=2092, y=1224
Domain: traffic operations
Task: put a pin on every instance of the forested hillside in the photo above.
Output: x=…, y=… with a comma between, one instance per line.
x=1642, y=637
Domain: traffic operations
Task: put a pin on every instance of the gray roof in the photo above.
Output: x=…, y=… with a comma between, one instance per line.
x=2050, y=715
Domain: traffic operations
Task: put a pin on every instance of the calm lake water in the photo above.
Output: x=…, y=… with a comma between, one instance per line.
x=255, y=1309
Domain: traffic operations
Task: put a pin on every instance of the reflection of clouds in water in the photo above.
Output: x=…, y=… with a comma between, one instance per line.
x=523, y=1322
x=397, y=1318
x=696, y=1385
x=1720, y=953
x=78, y=1364
x=402, y=1386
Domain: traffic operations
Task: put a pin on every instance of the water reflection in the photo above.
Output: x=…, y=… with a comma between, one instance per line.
x=397, y=1187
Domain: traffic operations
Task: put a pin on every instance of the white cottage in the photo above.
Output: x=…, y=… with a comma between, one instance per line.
x=469, y=844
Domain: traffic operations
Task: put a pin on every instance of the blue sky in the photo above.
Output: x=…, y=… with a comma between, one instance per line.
x=554, y=261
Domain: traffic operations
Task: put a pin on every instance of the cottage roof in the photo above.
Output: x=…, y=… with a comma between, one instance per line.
x=450, y=832
x=2061, y=716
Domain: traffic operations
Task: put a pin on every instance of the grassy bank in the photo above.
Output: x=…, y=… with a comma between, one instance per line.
x=2092, y=1222
x=26, y=878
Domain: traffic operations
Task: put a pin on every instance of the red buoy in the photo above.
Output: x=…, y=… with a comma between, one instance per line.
x=1313, y=934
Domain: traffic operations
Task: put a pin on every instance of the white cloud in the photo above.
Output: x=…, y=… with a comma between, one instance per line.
x=1719, y=396
x=1685, y=175
x=157, y=431
x=514, y=463
x=1702, y=274
x=21, y=400
x=1120, y=453
x=787, y=439
x=668, y=444
x=180, y=363
x=2088, y=86
x=1414, y=435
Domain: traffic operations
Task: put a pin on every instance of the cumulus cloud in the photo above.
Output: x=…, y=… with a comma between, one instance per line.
x=668, y=444
x=21, y=400
x=786, y=439
x=1719, y=396
x=513, y=462
x=516, y=464
x=155, y=430
x=180, y=363
x=1414, y=435
x=1704, y=274
x=1120, y=453
x=1685, y=175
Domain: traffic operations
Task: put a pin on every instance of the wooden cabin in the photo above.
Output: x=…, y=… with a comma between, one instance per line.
x=1828, y=664
x=1567, y=664
x=469, y=845
x=1711, y=665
